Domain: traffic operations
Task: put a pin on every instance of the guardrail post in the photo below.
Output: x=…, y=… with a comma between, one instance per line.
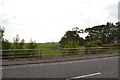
x=63, y=52
x=40, y=53
x=33, y=53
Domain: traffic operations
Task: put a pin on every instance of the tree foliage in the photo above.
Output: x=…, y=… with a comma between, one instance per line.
x=2, y=29
x=6, y=44
x=72, y=44
x=31, y=44
x=71, y=36
x=18, y=43
x=106, y=33
x=96, y=43
x=117, y=31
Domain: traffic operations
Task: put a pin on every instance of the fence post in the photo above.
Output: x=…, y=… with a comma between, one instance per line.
x=61, y=51
x=40, y=53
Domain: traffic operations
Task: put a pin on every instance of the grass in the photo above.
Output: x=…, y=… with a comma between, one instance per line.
x=45, y=46
x=49, y=49
x=53, y=50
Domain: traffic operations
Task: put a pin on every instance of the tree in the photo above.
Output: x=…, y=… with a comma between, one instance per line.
x=1, y=36
x=6, y=44
x=90, y=44
x=117, y=32
x=106, y=33
x=32, y=44
x=2, y=29
x=71, y=36
x=21, y=44
x=72, y=45
x=18, y=43
x=96, y=43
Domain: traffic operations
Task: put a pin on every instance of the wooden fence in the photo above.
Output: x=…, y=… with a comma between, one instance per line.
x=56, y=52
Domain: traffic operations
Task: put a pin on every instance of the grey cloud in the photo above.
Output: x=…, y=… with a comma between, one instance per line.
x=1, y=3
x=87, y=2
x=119, y=11
x=5, y=19
x=113, y=10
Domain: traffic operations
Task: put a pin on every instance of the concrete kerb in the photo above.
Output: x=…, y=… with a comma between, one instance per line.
x=60, y=60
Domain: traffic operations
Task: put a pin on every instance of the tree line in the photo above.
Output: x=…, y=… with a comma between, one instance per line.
x=17, y=42
x=97, y=36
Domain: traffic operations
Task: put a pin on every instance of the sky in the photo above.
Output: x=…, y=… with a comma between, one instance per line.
x=48, y=20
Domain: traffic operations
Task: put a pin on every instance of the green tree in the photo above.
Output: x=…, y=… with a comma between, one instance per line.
x=72, y=44
x=96, y=43
x=32, y=44
x=2, y=30
x=18, y=43
x=6, y=44
x=117, y=32
x=21, y=44
x=71, y=48
x=90, y=44
x=106, y=33
x=72, y=36
x=1, y=36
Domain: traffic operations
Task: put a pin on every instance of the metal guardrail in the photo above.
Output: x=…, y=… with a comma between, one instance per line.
x=39, y=53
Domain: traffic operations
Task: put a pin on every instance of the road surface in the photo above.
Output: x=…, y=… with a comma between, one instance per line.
x=90, y=68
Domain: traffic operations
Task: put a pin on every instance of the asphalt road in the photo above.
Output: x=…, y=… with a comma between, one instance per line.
x=91, y=68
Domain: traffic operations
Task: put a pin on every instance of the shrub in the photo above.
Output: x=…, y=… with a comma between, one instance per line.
x=72, y=45
x=89, y=45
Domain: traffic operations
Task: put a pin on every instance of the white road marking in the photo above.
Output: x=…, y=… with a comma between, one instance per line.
x=63, y=63
x=94, y=74
x=2, y=68
x=100, y=59
x=110, y=58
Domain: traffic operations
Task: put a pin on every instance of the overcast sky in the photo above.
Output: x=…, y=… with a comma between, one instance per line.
x=48, y=20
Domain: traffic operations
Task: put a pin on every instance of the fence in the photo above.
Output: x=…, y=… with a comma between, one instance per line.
x=53, y=52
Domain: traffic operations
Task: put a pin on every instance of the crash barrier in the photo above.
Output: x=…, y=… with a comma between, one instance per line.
x=55, y=52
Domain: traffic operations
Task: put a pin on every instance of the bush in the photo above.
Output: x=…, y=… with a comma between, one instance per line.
x=114, y=48
x=72, y=45
x=112, y=45
x=95, y=43
x=5, y=44
x=89, y=45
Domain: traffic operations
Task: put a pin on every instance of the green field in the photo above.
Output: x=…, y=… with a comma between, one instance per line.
x=45, y=46
x=53, y=50
x=49, y=49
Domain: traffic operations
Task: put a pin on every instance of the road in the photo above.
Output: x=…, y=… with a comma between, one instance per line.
x=90, y=68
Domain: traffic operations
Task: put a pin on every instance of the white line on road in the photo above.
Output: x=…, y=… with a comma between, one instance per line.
x=2, y=68
x=84, y=76
x=110, y=58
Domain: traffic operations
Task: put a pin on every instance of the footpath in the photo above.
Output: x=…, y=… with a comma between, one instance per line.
x=54, y=59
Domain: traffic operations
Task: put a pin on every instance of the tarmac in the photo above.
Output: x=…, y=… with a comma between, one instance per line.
x=54, y=59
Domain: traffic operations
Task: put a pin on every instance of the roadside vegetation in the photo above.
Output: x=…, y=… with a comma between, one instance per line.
x=105, y=35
